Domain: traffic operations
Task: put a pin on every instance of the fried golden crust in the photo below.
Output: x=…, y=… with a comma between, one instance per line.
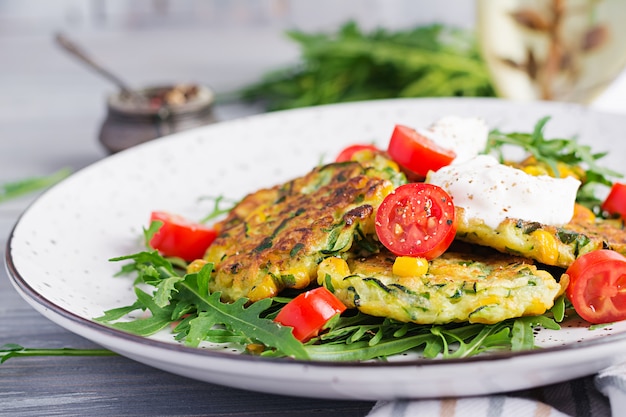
x=551, y=245
x=275, y=238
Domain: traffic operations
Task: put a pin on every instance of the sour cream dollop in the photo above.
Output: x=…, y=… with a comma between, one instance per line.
x=491, y=191
x=466, y=136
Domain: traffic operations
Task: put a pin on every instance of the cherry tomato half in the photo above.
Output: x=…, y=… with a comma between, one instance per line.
x=180, y=237
x=615, y=202
x=309, y=312
x=346, y=154
x=417, y=153
x=597, y=287
x=416, y=219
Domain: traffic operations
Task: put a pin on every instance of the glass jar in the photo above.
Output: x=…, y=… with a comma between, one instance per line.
x=159, y=111
x=565, y=50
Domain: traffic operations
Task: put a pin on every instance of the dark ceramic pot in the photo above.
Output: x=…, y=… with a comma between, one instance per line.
x=167, y=110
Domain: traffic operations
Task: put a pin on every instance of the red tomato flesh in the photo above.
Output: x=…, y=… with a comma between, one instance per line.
x=597, y=287
x=417, y=219
x=346, y=154
x=180, y=237
x=309, y=312
x=416, y=153
x=615, y=202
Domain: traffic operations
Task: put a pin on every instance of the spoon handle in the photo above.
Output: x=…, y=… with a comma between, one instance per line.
x=77, y=52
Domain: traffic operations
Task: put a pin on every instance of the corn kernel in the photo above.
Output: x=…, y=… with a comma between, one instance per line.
x=490, y=300
x=566, y=170
x=545, y=247
x=260, y=214
x=535, y=170
x=267, y=288
x=582, y=213
x=196, y=266
x=335, y=267
x=408, y=266
x=255, y=348
x=535, y=308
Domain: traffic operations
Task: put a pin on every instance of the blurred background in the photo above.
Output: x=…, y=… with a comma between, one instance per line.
x=224, y=44
x=229, y=46
x=33, y=16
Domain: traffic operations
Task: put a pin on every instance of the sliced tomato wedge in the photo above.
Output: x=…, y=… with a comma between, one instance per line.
x=309, y=312
x=346, y=153
x=416, y=219
x=597, y=287
x=180, y=237
x=416, y=153
x=615, y=202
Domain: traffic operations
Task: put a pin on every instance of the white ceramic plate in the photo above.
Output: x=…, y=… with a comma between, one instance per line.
x=58, y=251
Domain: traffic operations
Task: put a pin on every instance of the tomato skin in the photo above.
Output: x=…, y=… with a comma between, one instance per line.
x=309, y=312
x=597, y=287
x=416, y=153
x=346, y=153
x=417, y=219
x=615, y=202
x=180, y=237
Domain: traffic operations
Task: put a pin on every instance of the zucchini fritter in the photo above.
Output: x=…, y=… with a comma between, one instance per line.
x=275, y=238
x=551, y=245
x=458, y=287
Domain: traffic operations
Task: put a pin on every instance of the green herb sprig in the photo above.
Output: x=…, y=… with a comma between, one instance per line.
x=12, y=350
x=551, y=152
x=16, y=189
x=350, y=65
x=362, y=337
x=217, y=210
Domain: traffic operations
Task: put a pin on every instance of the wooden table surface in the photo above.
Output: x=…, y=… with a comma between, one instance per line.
x=50, y=113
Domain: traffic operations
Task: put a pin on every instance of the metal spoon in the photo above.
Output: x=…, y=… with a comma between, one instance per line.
x=77, y=52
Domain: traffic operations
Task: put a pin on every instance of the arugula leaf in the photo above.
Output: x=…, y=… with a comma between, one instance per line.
x=244, y=321
x=472, y=339
x=16, y=189
x=149, y=265
x=160, y=318
x=523, y=335
x=558, y=310
x=362, y=337
x=556, y=151
x=117, y=313
x=165, y=290
x=363, y=350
